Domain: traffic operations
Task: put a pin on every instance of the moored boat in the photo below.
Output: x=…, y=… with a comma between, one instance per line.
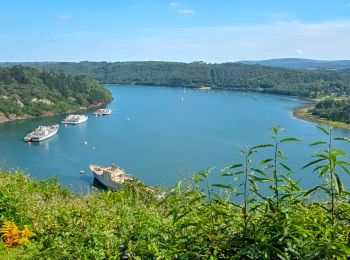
x=204, y=88
x=75, y=119
x=103, y=112
x=112, y=177
x=41, y=133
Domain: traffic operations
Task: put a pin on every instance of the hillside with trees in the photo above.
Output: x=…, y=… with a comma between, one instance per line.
x=28, y=92
x=333, y=109
x=304, y=83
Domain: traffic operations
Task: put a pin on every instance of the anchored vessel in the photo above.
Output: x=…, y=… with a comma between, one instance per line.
x=103, y=112
x=112, y=177
x=75, y=119
x=41, y=133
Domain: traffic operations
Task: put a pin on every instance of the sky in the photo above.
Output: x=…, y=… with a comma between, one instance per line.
x=178, y=30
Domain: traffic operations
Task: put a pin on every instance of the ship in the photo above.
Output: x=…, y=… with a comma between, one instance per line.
x=112, y=177
x=204, y=88
x=103, y=112
x=42, y=133
x=75, y=119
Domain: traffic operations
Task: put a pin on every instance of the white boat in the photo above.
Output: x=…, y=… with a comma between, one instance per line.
x=112, y=177
x=103, y=112
x=41, y=133
x=75, y=119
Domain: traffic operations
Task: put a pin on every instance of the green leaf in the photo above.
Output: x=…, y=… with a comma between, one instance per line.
x=289, y=139
x=232, y=166
x=179, y=186
x=337, y=152
x=265, y=161
x=323, y=130
x=254, y=185
x=342, y=139
x=312, y=163
x=259, y=171
x=339, y=184
x=261, y=179
x=261, y=146
x=224, y=186
x=274, y=130
x=345, y=169
x=319, y=187
x=318, y=143
x=281, y=155
x=343, y=163
x=227, y=174
x=324, y=170
x=285, y=166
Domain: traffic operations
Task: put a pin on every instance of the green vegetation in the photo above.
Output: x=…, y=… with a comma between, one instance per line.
x=29, y=92
x=333, y=109
x=305, y=83
x=196, y=219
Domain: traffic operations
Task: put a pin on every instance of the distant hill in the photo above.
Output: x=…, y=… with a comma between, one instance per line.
x=235, y=76
x=294, y=63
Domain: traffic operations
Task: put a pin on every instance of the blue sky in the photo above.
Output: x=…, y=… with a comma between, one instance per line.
x=183, y=30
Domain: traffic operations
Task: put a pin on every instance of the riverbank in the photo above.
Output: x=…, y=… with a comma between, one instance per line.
x=13, y=117
x=304, y=114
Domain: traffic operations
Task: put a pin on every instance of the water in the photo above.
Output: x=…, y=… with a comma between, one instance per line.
x=162, y=135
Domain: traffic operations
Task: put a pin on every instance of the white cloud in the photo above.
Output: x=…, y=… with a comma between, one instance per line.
x=174, y=3
x=64, y=17
x=186, y=11
x=299, y=51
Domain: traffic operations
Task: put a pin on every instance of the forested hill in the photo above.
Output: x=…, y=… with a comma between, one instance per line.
x=306, y=83
x=295, y=63
x=27, y=92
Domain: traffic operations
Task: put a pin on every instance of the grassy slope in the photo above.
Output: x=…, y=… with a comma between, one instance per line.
x=132, y=223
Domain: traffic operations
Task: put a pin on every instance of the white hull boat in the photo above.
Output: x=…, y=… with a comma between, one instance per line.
x=103, y=112
x=111, y=177
x=75, y=119
x=41, y=133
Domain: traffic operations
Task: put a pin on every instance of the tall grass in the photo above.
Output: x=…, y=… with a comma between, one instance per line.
x=196, y=219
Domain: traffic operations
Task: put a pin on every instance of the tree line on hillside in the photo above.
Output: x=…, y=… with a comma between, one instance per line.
x=333, y=109
x=27, y=91
x=304, y=83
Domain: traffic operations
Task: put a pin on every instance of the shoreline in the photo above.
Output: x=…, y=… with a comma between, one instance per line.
x=12, y=118
x=303, y=114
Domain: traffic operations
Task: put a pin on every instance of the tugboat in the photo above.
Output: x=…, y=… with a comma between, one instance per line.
x=75, y=119
x=103, y=112
x=41, y=133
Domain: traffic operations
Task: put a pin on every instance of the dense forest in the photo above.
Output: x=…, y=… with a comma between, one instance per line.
x=305, y=83
x=333, y=109
x=235, y=218
x=28, y=92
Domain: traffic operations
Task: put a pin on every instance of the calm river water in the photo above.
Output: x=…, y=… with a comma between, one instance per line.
x=162, y=135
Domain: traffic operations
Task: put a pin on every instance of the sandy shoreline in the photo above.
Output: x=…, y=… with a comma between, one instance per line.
x=304, y=114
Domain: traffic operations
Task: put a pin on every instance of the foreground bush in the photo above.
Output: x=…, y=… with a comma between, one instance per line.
x=192, y=221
